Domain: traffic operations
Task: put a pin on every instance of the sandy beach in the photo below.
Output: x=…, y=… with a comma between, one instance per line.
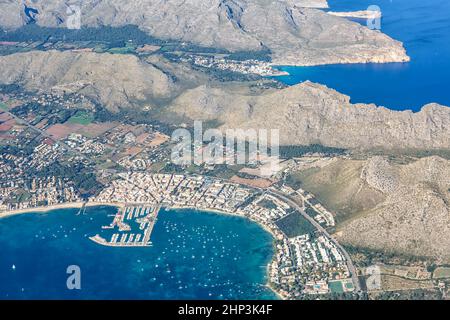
x=70, y=205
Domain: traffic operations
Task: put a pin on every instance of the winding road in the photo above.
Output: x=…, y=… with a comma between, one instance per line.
x=351, y=267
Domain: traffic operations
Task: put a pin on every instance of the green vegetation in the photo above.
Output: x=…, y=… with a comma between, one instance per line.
x=81, y=117
x=441, y=273
x=293, y=181
x=175, y=46
x=225, y=172
x=157, y=167
x=85, y=181
x=267, y=204
x=121, y=40
x=336, y=286
x=100, y=48
x=114, y=35
x=52, y=113
x=403, y=156
x=131, y=116
x=263, y=55
x=287, y=152
x=414, y=294
x=9, y=88
x=126, y=48
x=21, y=196
x=295, y=225
x=3, y=106
x=363, y=257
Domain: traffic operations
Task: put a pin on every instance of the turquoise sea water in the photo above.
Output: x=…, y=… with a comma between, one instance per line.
x=195, y=255
x=424, y=28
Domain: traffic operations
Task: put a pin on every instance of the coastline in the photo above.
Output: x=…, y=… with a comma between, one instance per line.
x=268, y=230
x=224, y=213
x=79, y=205
x=67, y=205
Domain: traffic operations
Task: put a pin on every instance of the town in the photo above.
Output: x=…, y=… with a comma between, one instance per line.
x=250, y=66
x=59, y=149
x=304, y=264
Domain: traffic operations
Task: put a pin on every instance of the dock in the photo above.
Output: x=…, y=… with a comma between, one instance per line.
x=132, y=226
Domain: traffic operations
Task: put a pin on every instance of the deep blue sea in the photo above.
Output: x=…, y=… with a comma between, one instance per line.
x=195, y=255
x=424, y=28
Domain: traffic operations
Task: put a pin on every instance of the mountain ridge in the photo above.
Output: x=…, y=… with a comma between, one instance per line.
x=306, y=113
x=294, y=34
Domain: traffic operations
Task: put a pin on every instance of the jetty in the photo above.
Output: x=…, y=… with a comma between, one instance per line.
x=133, y=226
x=82, y=209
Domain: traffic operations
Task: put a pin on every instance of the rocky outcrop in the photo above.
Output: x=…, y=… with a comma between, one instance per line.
x=295, y=35
x=414, y=218
x=399, y=205
x=380, y=175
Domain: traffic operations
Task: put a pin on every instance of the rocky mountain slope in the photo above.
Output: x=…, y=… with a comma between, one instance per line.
x=306, y=113
x=311, y=113
x=415, y=216
x=113, y=80
x=389, y=206
x=294, y=34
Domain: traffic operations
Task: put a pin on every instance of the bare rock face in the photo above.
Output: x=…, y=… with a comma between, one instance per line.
x=113, y=80
x=301, y=36
x=311, y=113
x=379, y=174
x=10, y=14
x=414, y=219
x=295, y=35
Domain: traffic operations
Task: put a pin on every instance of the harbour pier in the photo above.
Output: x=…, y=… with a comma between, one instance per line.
x=133, y=226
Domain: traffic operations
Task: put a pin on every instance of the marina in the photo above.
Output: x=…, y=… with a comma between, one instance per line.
x=194, y=255
x=132, y=226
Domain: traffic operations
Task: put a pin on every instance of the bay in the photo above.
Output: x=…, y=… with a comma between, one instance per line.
x=195, y=255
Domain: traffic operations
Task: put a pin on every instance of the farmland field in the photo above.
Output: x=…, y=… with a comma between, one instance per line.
x=295, y=225
x=82, y=118
x=441, y=272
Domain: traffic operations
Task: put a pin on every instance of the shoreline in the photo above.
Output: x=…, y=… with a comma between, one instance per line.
x=268, y=284
x=68, y=205
x=79, y=205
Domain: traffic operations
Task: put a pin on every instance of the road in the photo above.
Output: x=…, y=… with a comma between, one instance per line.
x=351, y=267
x=275, y=193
